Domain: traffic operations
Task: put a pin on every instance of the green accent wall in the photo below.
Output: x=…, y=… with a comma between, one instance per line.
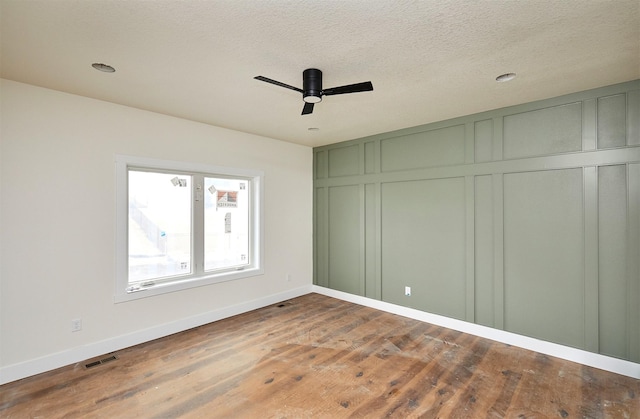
x=525, y=219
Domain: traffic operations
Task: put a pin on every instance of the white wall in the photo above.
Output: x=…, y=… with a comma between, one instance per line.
x=57, y=221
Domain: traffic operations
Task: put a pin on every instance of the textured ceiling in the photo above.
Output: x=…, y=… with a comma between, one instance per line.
x=428, y=60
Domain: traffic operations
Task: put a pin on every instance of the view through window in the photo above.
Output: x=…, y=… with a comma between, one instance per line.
x=187, y=225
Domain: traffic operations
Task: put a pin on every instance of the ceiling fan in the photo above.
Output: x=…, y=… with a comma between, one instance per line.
x=312, y=90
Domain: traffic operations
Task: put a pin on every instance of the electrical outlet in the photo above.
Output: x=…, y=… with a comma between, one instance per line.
x=407, y=291
x=76, y=325
x=288, y=277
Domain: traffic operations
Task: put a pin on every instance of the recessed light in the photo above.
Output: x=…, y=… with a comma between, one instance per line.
x=506, y=77
x=313, y=129
x=103, y=67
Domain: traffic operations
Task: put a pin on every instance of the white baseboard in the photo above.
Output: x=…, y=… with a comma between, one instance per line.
x=71, y=356
x=47, y=363
x=615, y=365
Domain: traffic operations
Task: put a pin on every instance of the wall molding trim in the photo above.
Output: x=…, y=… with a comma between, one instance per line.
x=615, y=365
x=26, y=369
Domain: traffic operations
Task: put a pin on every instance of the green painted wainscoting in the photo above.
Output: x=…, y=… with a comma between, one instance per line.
x=525, y=219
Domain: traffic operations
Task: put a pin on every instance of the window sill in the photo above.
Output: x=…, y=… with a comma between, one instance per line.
x=122, y=295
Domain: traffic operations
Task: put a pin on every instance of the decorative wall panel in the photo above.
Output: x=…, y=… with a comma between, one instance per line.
x=439, y=147
x=344, y=239
x=370, y=157
x=423, y=247
x=612, y=121
x=484, y=255
x=372, y=285
x=525, y=219
x=612, y=255
x=483, y=141
x=543, y=255
x=543, y=132
x=320, y=164
x=344, y=161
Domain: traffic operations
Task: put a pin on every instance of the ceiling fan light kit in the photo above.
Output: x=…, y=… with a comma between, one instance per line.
x=312, y=85
x=312, y=91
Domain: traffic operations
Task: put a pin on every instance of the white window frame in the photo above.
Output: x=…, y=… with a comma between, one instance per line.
x=123, y=291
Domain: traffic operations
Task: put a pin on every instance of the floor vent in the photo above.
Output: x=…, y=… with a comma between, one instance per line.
x=101, y=361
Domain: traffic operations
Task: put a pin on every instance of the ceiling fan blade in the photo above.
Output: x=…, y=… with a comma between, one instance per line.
x=277, y=83
x=308, y=108
x=350, y=88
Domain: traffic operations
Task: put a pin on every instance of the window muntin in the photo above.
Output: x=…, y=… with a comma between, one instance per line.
x=182, y=225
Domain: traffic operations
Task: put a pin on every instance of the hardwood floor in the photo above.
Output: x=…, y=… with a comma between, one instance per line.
x=315, y=356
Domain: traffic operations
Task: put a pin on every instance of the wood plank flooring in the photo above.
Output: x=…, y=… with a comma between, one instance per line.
x=318, y=357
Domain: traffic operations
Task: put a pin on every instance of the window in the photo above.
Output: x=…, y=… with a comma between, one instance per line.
x=183, y=225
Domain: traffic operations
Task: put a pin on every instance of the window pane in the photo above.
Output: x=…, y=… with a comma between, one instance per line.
x=159, y=225
x=226, y=223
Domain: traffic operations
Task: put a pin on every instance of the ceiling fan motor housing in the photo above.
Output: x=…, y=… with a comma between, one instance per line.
x=312, y=85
